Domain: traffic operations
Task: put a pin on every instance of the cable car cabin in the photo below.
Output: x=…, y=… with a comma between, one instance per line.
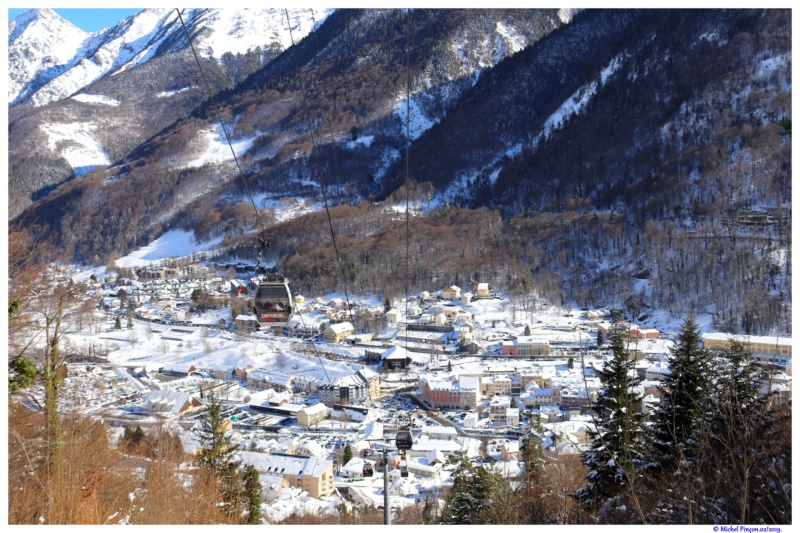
x=403, y=440
x=367, y=470
x=273, y=303
x=403, y=471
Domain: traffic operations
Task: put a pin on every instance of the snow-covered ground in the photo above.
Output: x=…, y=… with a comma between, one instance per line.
x=172, y=244
x=215, y=148
x=75, y=141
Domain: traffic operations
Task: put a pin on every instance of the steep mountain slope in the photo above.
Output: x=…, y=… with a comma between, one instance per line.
x=70, y=59
x=39, y=41
x=346, y=113
x=143, y=77
x=633, y=158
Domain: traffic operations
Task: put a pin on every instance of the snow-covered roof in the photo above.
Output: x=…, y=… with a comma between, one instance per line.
x=439, y=431
x=165, y=401
x=314, y=409
x=780, y=341
x=283, y=464
x=395, y=352
x=341, y=327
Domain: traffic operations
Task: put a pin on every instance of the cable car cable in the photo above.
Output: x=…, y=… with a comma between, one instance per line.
x=314, y=148
x=264, y=243
x=219, y=119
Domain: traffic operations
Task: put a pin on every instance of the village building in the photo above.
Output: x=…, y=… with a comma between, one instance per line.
x=483, y=290
x=451, y=293
x=393, y=316
x=310, y=474
x=338, y=332
x=245, y=323
x=498, y=406
x=539, y=396
x=167, y=402
x=777, y=350
x=657, y=372
x=396, y=358
x=242, y=373
x=343, y=390
x=526, y=346
x=496, y=385
x=637, y=332
x=264, y=379
x=312, y=415
x=447, y=394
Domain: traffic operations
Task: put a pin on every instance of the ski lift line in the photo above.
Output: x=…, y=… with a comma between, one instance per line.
x=408, y=150
x=316, y=352
x=336, y=166
x=264, y=244
x=313, y=140
x=222, y=125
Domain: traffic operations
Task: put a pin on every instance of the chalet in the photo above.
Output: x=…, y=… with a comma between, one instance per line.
x=395, y=358
x=483, y=290
x=451, y=293
x=423, y=470
x=246, y=323
x=338, y=332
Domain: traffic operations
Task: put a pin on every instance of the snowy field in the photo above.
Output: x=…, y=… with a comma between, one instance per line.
x=172, y=244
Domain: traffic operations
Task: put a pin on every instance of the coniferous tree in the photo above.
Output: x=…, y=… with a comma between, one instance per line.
x=684, y=401
x=617, y=450
x=252, y=491
x=742, y=428
x=469, y=496
x=676, y=439
x=347, y=455
x=217, y=456
x=117, y=323
x=533, y=488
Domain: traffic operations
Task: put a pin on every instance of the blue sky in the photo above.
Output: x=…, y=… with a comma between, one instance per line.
x=87, y=19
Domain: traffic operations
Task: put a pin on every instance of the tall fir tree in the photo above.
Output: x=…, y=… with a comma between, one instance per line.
x=347, y=455
x=684, y=402
x=252, y=491
x=743, y=429
x=677, y=439
x=532, y=478
x=616, y=451
x=218, y=456
x=469, y=496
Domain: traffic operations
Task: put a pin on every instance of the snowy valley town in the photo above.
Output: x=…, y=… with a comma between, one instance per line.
x=318, y=406
x=418, y=266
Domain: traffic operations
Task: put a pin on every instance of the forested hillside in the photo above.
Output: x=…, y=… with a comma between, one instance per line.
x=631, y=158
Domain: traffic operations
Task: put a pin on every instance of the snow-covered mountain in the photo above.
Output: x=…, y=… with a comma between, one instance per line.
x=41, y=45
x=50, y=59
